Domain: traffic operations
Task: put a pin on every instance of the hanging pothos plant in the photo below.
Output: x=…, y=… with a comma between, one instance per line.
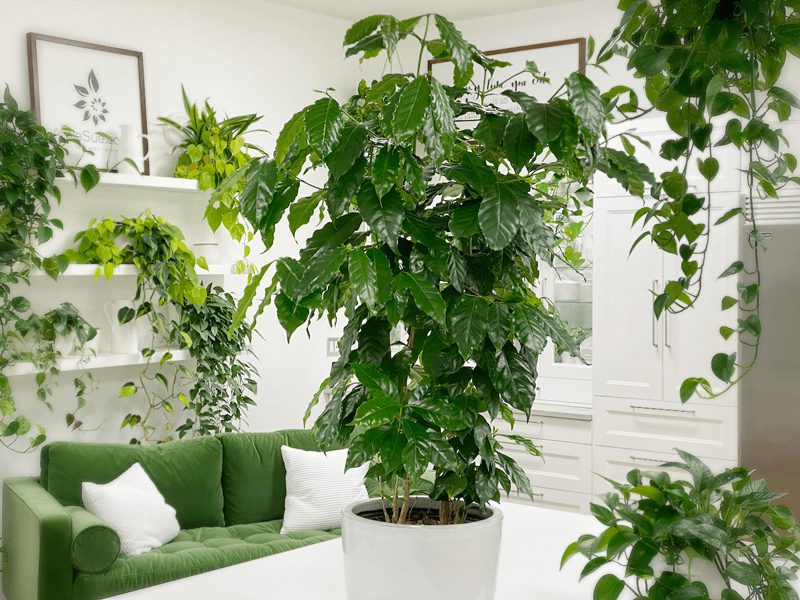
x=711, y=66
x=211, y=152
x=181, y=314
x=431, y=247
x=31, y=158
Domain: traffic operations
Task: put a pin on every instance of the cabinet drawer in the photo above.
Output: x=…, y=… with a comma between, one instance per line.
x=615, y=463
x=707, y=431
x=563, y=466
x=549, y=428
x=555, y=499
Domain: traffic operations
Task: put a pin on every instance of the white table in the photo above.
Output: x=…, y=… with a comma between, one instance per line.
x=533, y=542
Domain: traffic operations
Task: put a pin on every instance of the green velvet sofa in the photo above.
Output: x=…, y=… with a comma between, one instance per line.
x=228, y=492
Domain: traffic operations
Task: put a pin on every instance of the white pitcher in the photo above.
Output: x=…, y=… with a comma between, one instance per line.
x=124, y=338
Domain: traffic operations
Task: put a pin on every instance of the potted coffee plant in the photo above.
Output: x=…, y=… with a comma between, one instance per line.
x=434, y=229
x=696, y=536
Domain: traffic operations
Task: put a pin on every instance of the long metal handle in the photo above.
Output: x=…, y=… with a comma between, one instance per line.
x=650, y=460
x=654, y=324
x=635, y=407
x=666, y=329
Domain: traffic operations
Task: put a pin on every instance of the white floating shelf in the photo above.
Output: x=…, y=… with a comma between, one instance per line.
x=141, y=182
x=101, y=361
x=89, y=270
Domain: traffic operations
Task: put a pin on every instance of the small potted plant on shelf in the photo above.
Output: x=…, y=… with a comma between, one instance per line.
x=433, y=232
x=707, y=536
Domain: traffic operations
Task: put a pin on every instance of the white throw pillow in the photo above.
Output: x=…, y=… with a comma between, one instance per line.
x=318, y=488
x=133, y=507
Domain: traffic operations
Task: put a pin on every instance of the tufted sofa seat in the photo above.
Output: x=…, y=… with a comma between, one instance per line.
x=196, y=551
x=228, y=492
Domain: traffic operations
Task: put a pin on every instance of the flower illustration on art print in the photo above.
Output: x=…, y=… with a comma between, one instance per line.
x=91, y=102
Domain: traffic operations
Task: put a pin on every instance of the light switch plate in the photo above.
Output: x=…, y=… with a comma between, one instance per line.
x=333, y=347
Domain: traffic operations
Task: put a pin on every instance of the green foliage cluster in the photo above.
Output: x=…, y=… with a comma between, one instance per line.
x=433, y=234
x=211, y=152
x=712, y=67
x=31, y=158
x=181, y=313
x=656, y=527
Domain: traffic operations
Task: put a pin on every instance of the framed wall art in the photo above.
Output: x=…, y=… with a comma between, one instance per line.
x=96, y=90
x=554, y=60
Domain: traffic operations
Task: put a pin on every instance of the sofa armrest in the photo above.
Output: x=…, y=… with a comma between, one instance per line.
x=37, y=536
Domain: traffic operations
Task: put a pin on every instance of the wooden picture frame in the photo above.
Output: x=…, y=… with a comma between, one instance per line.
x=39, y=104
x=572, y=52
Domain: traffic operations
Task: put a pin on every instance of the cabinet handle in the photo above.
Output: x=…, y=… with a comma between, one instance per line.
x=654, y=324
x=635, y=407
x=535, y=495
x=535, y=422
x=650, y=460
x=666, y=329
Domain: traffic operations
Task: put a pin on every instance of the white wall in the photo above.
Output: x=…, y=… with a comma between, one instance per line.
x=247, y=56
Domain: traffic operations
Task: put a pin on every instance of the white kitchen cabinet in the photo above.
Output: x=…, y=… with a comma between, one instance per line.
x=616, y=463
x=562, y=466
x=702, y=429
x=555, y=499
x=656, y=131
x=636, y=355
x=627, y=338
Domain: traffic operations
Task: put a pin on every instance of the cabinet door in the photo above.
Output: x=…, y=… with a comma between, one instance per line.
x=692, y=337
x=553, y=499
x=562, y=466
x=627, y=337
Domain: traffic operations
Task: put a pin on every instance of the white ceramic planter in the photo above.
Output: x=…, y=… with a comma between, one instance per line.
x=419, y=562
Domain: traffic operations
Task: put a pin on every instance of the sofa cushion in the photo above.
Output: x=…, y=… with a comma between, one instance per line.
x=193, y=552
x=253, y=475
x=95, y=546
x=188, y=473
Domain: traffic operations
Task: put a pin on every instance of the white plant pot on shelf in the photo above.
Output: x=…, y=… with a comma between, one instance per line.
x=419, y=562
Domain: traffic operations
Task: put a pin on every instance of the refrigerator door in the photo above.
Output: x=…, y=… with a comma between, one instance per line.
x=770, y=395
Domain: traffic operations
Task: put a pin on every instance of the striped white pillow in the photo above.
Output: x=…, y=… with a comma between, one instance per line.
x=133, y=507
x=318, y=488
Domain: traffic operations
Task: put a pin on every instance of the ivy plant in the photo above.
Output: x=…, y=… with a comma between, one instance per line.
x=181, y=313
x=433, y=233
x=211, y=152
x=658, y=529
x=712, y=67
x=31, y=158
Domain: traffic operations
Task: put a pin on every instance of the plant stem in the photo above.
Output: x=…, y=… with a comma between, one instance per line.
x=406, y=502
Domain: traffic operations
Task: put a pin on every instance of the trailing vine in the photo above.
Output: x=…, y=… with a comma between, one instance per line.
x=31, y=158
x=181, y=313
x=708, y=65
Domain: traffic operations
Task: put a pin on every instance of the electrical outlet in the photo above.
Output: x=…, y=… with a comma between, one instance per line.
x=333, y=347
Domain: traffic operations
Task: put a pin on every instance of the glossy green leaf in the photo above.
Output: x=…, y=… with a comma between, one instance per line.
x=323, y=121
x=383, y=215
x=426, y=296
x=499, y=215
x=413, y=102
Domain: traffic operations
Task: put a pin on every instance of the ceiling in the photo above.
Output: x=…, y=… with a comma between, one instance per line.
x=352, y=10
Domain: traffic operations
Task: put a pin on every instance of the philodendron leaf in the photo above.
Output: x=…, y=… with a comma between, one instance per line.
x=609, y=587
x=323, y=121
x=499, y=215
x=383, y=215
x=90, y=177
x=426, y=296
x=409, y=112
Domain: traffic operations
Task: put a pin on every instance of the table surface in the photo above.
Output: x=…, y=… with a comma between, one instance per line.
x=532, y=544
